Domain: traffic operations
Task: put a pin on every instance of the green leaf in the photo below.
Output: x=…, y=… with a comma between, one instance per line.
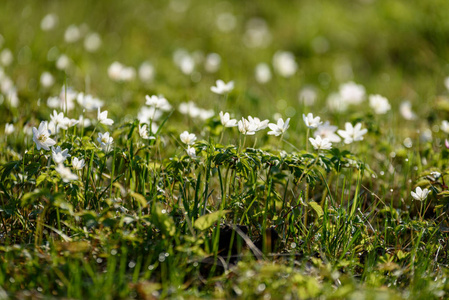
x=141, y=199
x=317, y=208
x=208, y=220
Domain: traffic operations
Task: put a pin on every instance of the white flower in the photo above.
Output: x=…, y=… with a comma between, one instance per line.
x=119, y=72
x=308, y=96
x=143, y=132
x=188, y=138
x=379, y=104
x=146, y=72
x=246, y=127
x=226, y=120
x=77, y=164
x=158, y=102
x=320, y=144
x=446, y=82
x=191, y=152
x=92, y=42
x=47, y=80
x=103, y=118
x=59, y=155
x=89, y=102
x=146, y=114
x=222, y=87
x=41, y=136
x=352, y=133
x=406, y=110
x=327, y=131
x=257, y=123
x=262, y=73
x=6, y=57
x=205, y=114
x=284, y=63
x=335, y=103
x=63, y=62
x=352, y=93
x=58, y=120
x=72, y=34
x=9, y=128
x=212, y=63
x=420, y=194
x=65, y=173
x=310, y=121
x=49, y=22
x=279, y=128
x=105, y=141
x=445, y=126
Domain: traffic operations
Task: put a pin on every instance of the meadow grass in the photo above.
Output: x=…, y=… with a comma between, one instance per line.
x=152, y=196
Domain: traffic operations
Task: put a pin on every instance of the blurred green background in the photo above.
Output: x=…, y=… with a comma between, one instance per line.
x=395, y=48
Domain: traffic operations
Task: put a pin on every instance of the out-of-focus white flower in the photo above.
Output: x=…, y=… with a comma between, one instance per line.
x=147, y=114
x=257, y=34
x=320, y=144
x=226, y=120
x=352, y=133
x=103, y=118
x=58, y=120
x=49, y=22
x=262, y=73
x=65, y=173
x=78, y=164
x=445, y=126
x=191, y=152
x=420, y=194
x=9, y=128
x=143, y=132
x=284, y=63
x=6, y=57
x=379, y=104
x=89, y=102
x=59, y=155
x=146, y=72
x=310, y=121
x=84, y=122
x=212, y=63
x=336, y=103
x=72, y=34
x=158, y=102
x=105, y=141
x=279, y=128
x=119, y=72
x=189, y=108
x=188, y=138
x=92, y=42
x=406, y=110
x=63, y=62
x=308, y=96
x=41, y=136
x=226, y=22
x=222, y=87
x=47, y=80
x=205, y=114
x=327, y=131
x=446, y=82
x=352, y=93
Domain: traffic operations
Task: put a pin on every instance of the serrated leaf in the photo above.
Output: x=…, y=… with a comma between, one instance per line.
x=206, y=221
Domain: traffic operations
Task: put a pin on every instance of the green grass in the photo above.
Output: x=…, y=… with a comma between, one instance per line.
x=250, y=216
